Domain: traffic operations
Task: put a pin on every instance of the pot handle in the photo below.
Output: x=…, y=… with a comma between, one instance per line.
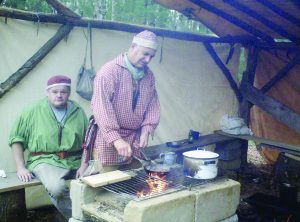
x=200, y=148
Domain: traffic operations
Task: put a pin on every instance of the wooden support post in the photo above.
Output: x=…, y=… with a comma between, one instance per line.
x=244, y=109
x=34, y=60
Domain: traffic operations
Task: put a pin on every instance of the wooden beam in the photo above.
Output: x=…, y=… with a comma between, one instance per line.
x=110, y=25
x=34, y=60
x=234, y=20
x=263, y=20
x=280, y=12
x=102, y=24
x=281, y=74
x=62, y=9
x=225, y=70
x=279, y=111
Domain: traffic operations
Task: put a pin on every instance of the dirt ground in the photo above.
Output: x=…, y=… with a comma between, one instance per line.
x=257, y=178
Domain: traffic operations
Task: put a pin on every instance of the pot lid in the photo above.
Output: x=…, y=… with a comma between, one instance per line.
x=201, y=154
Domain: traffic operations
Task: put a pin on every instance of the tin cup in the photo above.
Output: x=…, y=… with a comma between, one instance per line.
x=195, y=134
x=169, y=158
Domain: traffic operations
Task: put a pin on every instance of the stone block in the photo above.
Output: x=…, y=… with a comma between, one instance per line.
x=217, y=201
x=80, y=194
x=174, y=207
x=230, y=150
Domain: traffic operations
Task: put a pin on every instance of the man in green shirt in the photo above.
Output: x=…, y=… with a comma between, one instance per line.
x=52, y=130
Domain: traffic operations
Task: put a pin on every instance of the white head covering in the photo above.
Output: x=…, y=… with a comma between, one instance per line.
x=146, y=39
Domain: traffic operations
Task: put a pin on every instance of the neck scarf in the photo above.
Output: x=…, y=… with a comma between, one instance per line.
x=136, y=73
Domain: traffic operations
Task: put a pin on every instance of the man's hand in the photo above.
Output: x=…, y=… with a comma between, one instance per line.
x=144, y=140
x=123, y=148
x=24, y=174
x=81, y=170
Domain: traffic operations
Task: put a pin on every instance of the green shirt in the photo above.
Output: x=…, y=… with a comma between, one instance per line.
x=37, y=130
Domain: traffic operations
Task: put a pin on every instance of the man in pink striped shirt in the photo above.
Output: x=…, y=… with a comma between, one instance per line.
x=125, y=105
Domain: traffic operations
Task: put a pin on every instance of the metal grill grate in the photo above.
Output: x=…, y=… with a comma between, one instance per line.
x=130, y=188
x=175, y=179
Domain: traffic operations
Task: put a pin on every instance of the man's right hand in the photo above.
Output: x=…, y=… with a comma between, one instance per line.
x=24, y=175
x=123, y=148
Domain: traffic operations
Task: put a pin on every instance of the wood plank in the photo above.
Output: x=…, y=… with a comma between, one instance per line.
x=234, y=20
x=281, y=74
x=154, y=151
x=12, y=182
x=103, y=179
x=264, y=141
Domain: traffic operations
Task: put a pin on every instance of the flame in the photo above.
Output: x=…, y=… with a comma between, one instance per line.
x=156, y=183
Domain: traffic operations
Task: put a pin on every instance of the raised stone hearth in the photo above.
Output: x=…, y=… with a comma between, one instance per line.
x=210, y=202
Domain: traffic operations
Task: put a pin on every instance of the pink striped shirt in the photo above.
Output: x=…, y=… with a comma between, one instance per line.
x=112, y=108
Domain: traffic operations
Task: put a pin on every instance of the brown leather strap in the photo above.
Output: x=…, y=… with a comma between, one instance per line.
x=61, y=154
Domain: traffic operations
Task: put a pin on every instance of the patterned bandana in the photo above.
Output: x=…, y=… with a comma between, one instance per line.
x=136, y=73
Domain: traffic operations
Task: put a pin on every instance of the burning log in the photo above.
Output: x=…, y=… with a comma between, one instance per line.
x=156, y=184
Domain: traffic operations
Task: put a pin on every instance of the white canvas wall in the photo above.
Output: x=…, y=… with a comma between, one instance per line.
x=193, y=92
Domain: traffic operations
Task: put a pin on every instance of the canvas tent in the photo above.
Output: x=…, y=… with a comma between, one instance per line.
x=195, y=75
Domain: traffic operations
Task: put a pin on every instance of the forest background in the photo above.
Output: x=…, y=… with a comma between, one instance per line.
x=139, y=12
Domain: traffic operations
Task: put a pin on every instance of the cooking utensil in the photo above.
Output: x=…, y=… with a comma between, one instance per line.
x=200, y=164
x=151, y=166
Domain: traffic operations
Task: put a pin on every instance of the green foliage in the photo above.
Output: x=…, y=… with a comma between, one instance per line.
x=28, y=5
x=140, y=12
x=242, y=65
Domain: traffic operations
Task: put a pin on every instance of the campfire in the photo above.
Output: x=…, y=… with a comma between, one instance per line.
x=156, y=183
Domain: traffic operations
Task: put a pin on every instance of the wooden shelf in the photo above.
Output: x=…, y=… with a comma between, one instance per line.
x=293, y=148
x=154, y=151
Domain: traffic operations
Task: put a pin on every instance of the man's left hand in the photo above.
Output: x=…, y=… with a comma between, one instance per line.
x=144, y=140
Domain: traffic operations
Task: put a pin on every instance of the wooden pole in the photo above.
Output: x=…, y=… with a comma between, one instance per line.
x=34, y=60
x=62, y=9
x=244, y=109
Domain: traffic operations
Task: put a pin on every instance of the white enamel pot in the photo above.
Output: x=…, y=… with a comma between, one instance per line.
x=200, y=164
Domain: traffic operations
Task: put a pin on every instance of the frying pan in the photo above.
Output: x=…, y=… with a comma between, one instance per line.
x=151, y=167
